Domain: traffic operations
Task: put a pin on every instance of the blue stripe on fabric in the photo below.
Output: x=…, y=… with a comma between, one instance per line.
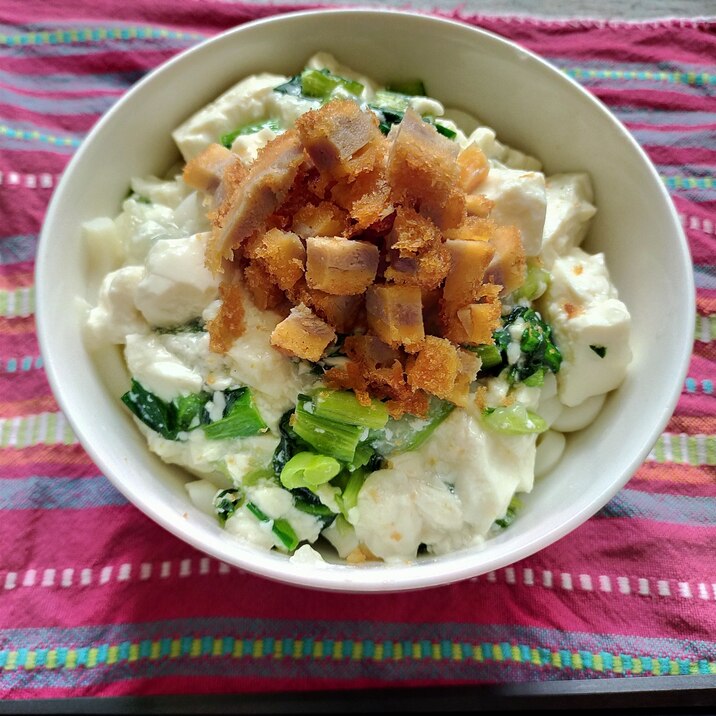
x=70, y=83
x=675, y=509
x=609, y=66
x=663, y=117
x=58, y=106
x=138, y=45
x=52, y=493
x=705, y=276
x=678, y=138
x=16, y=249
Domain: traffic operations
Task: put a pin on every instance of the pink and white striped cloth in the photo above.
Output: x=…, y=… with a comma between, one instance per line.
x=96, y=600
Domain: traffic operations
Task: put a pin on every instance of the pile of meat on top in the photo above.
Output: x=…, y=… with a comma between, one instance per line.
x=385, y=240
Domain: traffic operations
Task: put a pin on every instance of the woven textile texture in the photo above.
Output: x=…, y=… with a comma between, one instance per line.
x=96, y=600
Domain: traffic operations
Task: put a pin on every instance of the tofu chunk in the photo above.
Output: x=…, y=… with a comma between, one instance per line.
x=519, y=199
x=591, y=327
x=569, y=211
x=176, y=286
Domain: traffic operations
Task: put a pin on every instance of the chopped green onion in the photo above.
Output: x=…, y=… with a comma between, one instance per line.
x=240, y=417
x=326, y=436
x=228, y=139
x=318, y=84
x=281, y=528
x=348, y=498
x=601, y=351
x=445, y=131
x=342, y=406
x=227, y=502
x=155, y=413
x=489, y=355
x=306, y=469
x=409, y=87
x=514, y=420
x=509, y=518
x=536, y=283
x=410, y=432
x=321, y=83
x=389, y=100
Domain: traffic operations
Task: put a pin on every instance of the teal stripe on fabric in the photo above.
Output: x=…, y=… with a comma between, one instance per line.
x=674, y=509
x=92, y=34
x=16, y=249
x=58, y=493
x=24, y=364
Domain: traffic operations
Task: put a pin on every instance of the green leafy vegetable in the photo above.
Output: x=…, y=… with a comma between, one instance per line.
x=308, y=502
x=189, y=410
x=306, y=469
x=513, y=419
x=601, y=351
x=194, y=326
x=155, y=413
x=227, y=502
x=228, y=139
x=280, y=527
x=409, y=87
x=288, y=445
x=240, y=417
x=538, y=353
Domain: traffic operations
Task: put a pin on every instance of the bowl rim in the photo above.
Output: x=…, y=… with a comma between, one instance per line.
x=385, y=577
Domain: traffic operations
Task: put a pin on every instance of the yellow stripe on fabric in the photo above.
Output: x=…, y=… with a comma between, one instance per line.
x=71, y=36
x=444, y=651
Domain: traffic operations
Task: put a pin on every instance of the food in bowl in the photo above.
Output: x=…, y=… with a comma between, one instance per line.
x=356, y=316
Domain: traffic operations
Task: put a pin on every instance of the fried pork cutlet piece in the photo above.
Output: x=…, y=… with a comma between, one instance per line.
x=283, y=256
x=269, y=179
x=435, y=367
x=324, y=219
x=475, y=323
x=474, y=167
x=395, y=315
x=340, y=138
x=341, y=312
x=265, y=294
x=423, y=172
x=206, y=170
x=228, y=324
x=468, y=262
x=302, y=334
x=508, y=267
x=469, y=365
x=340, y=266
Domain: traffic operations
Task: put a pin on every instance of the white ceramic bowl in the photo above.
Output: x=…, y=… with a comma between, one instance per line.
x=532, y=106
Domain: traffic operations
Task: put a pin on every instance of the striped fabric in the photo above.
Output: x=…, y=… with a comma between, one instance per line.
x=96, y=600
